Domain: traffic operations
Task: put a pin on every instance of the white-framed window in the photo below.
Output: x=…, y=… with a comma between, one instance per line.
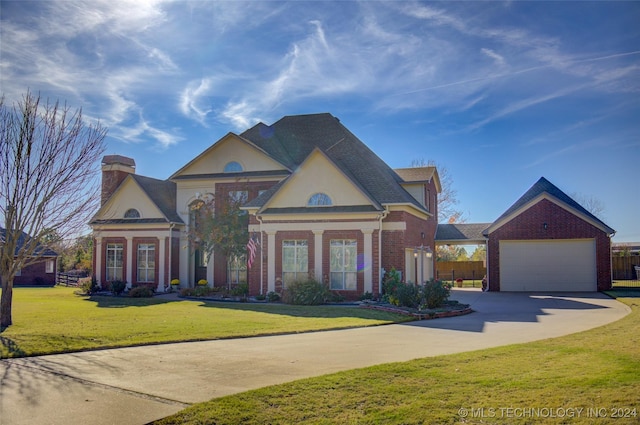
x=239, y=196
x=233, y=167
x=114, y=253
x=132, y=213
x=343, y=262
x=146, y=262
x=50, y=266
x=319, y=200
x=295, y=261
x=237, y=270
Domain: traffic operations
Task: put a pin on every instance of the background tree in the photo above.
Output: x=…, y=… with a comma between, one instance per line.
x=48, y=185
x=218, y=224
x=447, y=199
x=590, y=203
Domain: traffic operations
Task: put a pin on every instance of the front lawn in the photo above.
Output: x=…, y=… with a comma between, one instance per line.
x=587, y=378
x=55, y=320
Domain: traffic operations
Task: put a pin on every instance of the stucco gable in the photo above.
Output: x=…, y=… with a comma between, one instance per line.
x=230, y=148
x=133, y=194
x=318, y=174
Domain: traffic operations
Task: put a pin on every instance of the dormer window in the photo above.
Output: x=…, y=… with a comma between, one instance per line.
x=132, y=213
x=319, y=200
x=233, y=167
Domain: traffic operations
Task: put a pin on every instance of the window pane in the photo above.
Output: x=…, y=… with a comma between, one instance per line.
x=351, y=281
x=336, y=281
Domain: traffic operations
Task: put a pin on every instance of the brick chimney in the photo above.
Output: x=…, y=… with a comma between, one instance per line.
x=115, y=168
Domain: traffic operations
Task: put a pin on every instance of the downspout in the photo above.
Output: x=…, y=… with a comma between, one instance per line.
x=381, y=217
x=610, y=260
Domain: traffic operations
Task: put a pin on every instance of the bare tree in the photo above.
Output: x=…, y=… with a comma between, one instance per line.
x=447, y=198
x=590, y=203
x=48, y=185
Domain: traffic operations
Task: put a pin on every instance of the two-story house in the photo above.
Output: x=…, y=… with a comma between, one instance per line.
x=320, y=203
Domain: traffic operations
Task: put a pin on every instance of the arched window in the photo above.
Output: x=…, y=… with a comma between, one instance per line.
x=233, y=167
x=319, y=199
x=132, y=213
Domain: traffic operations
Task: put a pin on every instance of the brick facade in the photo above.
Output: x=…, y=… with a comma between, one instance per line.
x=36, y=274
x=561, y=224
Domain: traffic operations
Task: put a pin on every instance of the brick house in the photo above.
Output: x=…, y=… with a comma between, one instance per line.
x=319, y=202
x=546, y=241
x=42, y=267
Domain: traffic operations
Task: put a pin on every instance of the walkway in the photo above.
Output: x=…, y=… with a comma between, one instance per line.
x=140, y=384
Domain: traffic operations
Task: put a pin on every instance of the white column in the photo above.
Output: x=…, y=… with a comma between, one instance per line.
x=317, y=257
x=368, y=260
x=98, y=254
x=161, y=263
x=271, y=260
x=129, y=261
x=210, y=271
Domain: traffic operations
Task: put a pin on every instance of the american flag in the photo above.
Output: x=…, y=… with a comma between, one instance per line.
x=252, y=247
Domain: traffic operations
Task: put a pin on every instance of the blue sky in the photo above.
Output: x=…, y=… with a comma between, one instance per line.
x=499, y=93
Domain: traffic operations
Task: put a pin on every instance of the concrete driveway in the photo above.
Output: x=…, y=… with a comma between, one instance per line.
x=140, y=384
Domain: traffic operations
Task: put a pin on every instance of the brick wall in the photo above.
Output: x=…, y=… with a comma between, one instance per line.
x=561, y=224
x=36, y=274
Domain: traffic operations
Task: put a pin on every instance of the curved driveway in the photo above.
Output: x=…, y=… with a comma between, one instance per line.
x=140, y=384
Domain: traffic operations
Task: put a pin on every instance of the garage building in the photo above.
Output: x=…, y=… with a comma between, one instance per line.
x=546, y=241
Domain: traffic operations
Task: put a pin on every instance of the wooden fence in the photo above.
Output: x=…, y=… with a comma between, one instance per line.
x=624, y=268
x=468, y=270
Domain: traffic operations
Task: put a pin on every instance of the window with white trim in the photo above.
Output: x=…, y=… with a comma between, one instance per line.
x=132, y=213
x=295, y=261
x=50, y=266
x=146, y=262
x=114, y=253
x=237, y=270
x=343, y=261
x=319, y=200
x=233, y=167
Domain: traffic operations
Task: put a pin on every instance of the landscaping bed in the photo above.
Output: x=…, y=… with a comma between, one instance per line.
x=449, y=309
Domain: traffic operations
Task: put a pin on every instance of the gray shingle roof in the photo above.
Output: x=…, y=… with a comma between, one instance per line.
x=40, y=251
x=162, y=193
x=545, y=186
x=461, y=232
x=291, y=139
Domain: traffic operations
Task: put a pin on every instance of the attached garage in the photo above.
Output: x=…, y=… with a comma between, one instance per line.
x=548, y=265
x=547, y=242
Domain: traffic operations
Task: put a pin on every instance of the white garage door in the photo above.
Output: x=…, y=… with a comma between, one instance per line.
x=548, y=265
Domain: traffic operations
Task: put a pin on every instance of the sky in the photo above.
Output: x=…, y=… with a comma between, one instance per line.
x=497, y=93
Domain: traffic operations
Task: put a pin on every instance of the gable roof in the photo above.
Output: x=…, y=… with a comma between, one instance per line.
x=40, y=250
x=293, y=138
x=161, y=192
x=544, y=188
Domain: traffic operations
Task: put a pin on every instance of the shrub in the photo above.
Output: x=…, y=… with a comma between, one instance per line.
x=261, y=297
x=307, y=292
x=202, y=282
x=141, y=291
x=273, y=297
x=118, y=286
x=240, y=290
x=409, y=295
x=435, y=293
x=366, y=296
x=391, y=281
x=90, y=287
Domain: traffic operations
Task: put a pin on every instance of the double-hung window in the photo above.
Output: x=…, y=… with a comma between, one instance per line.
x=237, y=269
x=114, y=261
x=344, y=272
x=295, y=261
x=146, y=262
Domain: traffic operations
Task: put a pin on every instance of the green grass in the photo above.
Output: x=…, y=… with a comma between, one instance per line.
x=55, y=320
x=597, y=369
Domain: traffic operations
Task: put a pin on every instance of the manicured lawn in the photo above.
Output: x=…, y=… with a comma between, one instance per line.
x=55, y=320
x=585, y=378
